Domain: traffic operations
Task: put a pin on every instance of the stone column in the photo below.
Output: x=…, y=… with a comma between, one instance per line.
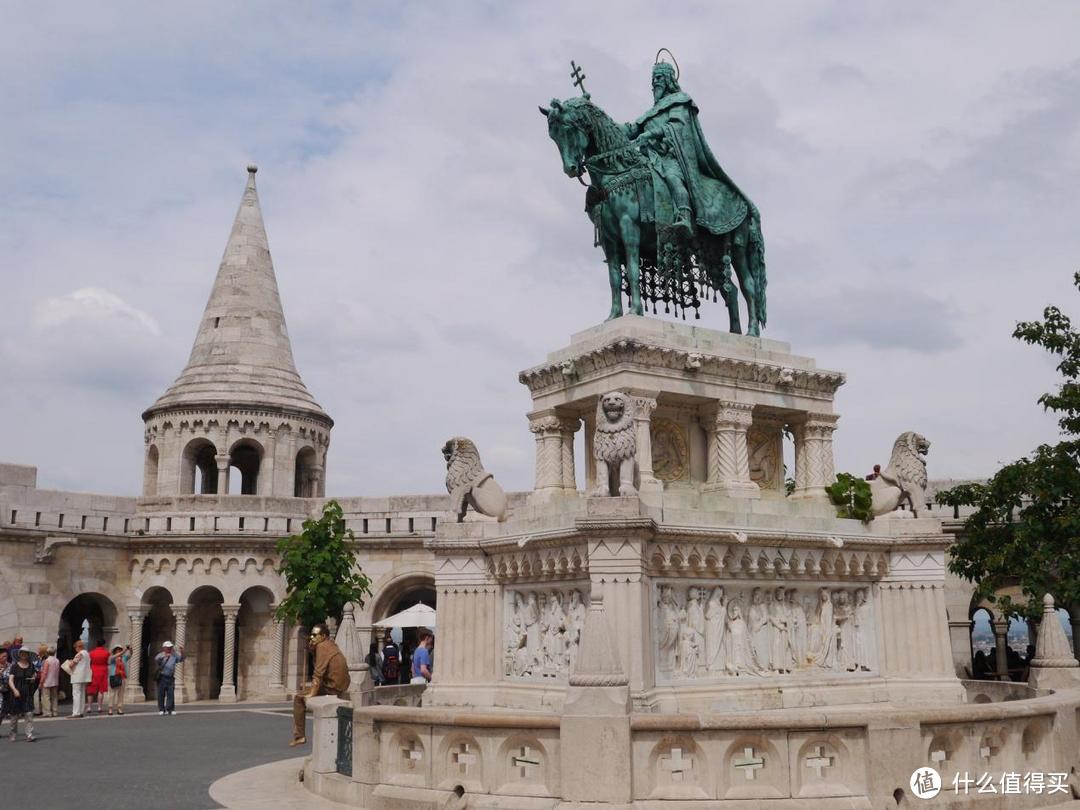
x=729, y=459
x=228, y=682
x=1001, y=638
x=316, y=475
x=567, y=428
x=222, y=474
x=546, y=427
x=134, y=693
x=180, y=614
x=277, y=659
x=269, y=462
x=814, y=455
x=649, y=487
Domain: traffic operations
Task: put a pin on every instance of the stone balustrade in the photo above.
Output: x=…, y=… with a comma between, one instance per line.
x=843, y=756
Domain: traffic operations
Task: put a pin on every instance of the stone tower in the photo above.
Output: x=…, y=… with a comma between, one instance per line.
x=239, y=420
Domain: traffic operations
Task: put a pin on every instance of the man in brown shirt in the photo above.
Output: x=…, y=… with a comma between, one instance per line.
x=330, y=677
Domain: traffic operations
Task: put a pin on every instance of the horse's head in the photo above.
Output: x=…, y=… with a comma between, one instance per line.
x=570, y=127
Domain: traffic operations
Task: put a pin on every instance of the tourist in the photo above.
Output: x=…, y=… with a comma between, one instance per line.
x=421, y=660
x=99, y=676
x=50, y=682
x=4, y=702
x=391, y=662
x=330, y=676
x=166, y=661
x=79, y=669
x=22, y=681
x=39, y=662
x=375, y=662
x=118, y=659
x=13, y=648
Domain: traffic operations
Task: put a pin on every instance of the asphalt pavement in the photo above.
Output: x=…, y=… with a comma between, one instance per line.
x=141, y=759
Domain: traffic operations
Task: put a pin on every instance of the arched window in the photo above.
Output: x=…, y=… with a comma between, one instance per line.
x=150, y=471
x=304, y=483
x=198, y=468
x=246, y=457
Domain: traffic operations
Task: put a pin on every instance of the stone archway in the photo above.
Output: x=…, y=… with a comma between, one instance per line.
x=255, y=664
x=205, y=648
x=397, y=595
x=246, y=457
x=158, y=626
x=90, y=617
x=198, y=468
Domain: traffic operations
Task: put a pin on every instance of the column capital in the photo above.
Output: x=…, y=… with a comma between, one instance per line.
x=544, y=422
x=180, y=611
x=222, y=459
x=818, y=424
x=230, y=611
x=732, y=415
x=137, y=612
x=644, y=404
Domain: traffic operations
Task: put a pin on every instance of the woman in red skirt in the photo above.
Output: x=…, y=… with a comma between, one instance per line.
x=99, y=677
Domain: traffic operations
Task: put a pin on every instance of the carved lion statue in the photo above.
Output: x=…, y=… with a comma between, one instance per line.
x=469, y=484
x=904, y=480
x=615, y=445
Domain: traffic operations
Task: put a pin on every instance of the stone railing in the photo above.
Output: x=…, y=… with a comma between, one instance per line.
x=840, y=757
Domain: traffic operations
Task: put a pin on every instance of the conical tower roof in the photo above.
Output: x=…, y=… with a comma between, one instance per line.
x=242, y=355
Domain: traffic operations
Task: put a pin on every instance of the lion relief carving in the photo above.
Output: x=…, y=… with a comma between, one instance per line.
x=904, y=480
x=469, y=484
x=615, y=445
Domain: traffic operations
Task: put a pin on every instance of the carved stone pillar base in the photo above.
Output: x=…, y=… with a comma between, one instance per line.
x=651, y=492
x=734, y=489
x=228, y=694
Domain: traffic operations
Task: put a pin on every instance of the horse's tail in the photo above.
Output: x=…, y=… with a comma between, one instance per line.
x=756, y=251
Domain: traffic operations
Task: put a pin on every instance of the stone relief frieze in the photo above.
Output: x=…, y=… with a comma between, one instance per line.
x=670, y=451
x=726, y=630
x=542, y=631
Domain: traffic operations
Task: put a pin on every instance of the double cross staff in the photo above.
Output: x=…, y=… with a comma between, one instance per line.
x=579, y=78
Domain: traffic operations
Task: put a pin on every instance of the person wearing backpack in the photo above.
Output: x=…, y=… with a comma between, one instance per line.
x=391, y=668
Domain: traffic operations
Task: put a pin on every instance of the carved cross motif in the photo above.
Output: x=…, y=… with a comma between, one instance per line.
x=676, y=765
x=750, y=764
x=524, y=761
x=464, y=758
x=819, y=761
x=412, y=754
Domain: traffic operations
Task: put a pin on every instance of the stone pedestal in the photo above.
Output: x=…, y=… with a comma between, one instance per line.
x=1053, y=666
x=325, y=729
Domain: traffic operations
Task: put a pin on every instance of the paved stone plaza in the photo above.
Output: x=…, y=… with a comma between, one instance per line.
x=125, y=762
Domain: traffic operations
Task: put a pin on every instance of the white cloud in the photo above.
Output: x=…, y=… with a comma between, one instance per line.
x=92, y=306
x=918, y=197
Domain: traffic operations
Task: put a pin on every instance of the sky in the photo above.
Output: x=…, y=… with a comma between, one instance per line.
x=917, y=169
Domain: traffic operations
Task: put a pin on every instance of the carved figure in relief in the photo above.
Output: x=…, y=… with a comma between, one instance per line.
x=575, y=623
x=530, y=617
x=823, y=632
x=780, y=659
x=758, y=623
x=692, y=634
x=555, y=638
x=738, y=654
x=864, y=643
x=715, y=616
x=615, y=445
x=904, y=480
x=668, y=630
x=843, y=615
x=796, y=628
x=514, y=658
x=469, y=484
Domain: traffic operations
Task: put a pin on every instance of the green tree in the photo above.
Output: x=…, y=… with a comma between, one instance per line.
x=320, y=569
x=1025, y=529
x=851, y=496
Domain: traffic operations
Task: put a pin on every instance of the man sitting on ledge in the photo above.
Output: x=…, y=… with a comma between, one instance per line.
x=331, y=677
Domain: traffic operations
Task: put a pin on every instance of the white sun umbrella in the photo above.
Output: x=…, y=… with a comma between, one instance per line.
x=419, y=615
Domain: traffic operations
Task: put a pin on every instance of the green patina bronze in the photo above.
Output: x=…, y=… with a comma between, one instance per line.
x=672, y=224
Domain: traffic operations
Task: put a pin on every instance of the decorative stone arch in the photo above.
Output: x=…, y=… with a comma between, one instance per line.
x=678, y=769
x=198, y=467
x=754, y=768
x=158, y=626
x=246, y=456
x=388, y=594
x=307, y=473
x=89, y=615
x=460, y=761
x=255, y=639
x=205, y=648
x=525, y=766
x=408, y=755
x=824, y=761
x=150, y=470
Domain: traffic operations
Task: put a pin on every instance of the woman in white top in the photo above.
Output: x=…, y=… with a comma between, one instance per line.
x=80, y=677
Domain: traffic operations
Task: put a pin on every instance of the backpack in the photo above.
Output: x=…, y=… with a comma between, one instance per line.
x=391, y=664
